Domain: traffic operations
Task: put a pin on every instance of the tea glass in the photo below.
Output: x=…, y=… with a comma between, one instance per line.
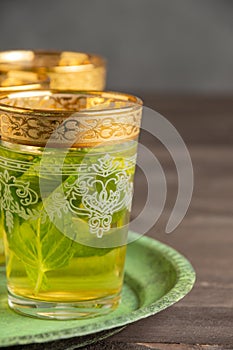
x=67, y=70
x=67, y=163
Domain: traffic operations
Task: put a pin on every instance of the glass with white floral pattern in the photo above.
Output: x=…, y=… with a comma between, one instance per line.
x=67, y=164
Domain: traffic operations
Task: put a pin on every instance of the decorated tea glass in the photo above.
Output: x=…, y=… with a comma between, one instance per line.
x=19, y=81
x=66, y=70
x=67, y=162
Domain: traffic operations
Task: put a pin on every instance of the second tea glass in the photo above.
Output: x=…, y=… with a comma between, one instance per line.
x=66, y=70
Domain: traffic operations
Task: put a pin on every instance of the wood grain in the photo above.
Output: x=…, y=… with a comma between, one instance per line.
x=205, y=236
x=199, y=119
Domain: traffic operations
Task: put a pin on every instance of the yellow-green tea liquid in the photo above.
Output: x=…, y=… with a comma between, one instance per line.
x=84, y=279
x=51, y=272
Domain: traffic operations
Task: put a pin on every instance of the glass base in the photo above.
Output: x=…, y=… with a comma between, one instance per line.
x=63, y=311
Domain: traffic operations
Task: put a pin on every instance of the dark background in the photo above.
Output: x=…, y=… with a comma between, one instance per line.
x=151, y=45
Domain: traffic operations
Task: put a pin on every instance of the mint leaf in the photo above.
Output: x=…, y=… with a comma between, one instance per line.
x=82, y=234
x=42, y=248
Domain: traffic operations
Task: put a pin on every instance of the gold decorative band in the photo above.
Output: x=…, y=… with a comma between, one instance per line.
x=20, y=81
x=66, y=70
x=69, y=119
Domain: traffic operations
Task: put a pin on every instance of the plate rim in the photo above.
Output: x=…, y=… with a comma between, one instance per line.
x=186, y=277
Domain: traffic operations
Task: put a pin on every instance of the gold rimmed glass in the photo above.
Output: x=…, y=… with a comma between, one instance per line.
x=67, y=162
x=66, y=70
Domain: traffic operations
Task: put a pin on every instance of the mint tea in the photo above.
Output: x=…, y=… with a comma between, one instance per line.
x=64, y=218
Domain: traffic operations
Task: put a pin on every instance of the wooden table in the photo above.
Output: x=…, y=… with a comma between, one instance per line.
x=204, y=318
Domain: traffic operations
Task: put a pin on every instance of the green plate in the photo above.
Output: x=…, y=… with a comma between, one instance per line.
x=156, y=276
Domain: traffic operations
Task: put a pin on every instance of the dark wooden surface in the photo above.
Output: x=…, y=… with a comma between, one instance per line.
x=203, y=320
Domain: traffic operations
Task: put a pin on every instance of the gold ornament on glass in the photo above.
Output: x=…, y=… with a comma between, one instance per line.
x=66, y=70
x=13, y=81
x=66, y=171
